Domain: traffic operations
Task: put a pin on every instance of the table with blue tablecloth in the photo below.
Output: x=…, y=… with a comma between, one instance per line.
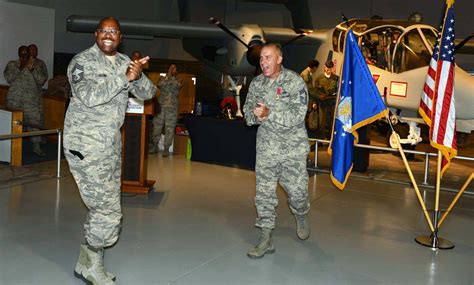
x=220, y=141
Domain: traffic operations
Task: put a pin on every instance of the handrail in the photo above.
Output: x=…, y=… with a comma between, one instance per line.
x=30, y=134
x=40, y=133
x=426, y=166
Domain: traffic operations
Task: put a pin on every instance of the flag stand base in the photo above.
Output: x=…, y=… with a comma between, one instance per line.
x=428, y=242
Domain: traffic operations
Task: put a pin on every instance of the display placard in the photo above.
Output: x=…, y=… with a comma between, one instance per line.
x=398, y=88
x=135, y=106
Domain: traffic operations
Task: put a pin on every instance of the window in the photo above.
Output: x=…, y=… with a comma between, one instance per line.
x=335, y=40
x=430, y=36
x=377, y=46
x=342, y=37
x=410, y=53
x=369, y=44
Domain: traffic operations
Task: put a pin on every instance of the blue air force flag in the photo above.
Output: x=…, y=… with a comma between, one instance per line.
x=358, y=104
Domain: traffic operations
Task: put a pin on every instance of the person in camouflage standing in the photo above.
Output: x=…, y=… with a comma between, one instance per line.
x=326, y=84
x=277, y=101
x=137, y=55
x=42, y=69
x=167, y=117
x=308, y=76
x=100, y=79
x=26, y=76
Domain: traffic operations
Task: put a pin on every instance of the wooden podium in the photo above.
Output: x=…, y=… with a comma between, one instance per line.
x=135, y=151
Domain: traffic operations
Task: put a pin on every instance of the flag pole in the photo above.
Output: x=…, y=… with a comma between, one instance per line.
x=412, y=178
x=434, y=236
x=461, y=191
x=434, y=241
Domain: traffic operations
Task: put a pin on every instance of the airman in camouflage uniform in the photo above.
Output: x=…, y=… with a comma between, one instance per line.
x=26, y=78
x=101, y=79
x=41, y=67
x=308, y=76
x=326, y=84
x=277, y=101
x=169, y=90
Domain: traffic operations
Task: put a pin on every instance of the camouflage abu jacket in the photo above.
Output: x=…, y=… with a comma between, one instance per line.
x=283, y=132
x=99, y=99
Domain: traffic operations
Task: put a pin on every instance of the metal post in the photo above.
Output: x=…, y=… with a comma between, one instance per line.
x=427, y=165
x=316, y=146
x=60, y=139
x=434, y=241
x=434, y=235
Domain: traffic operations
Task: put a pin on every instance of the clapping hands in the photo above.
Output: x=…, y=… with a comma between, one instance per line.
x=261, y=111
x=134, y=70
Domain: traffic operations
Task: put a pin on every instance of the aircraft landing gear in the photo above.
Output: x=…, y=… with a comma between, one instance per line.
x=410, y=135
x=236, y=88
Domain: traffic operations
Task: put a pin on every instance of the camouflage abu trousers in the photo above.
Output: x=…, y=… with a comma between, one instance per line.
x=167, y=118
x=32, y=113
x=327, y=108
x=291, y=172
x=98, y=178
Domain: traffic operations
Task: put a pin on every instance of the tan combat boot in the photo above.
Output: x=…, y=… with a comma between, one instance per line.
x=264, y=245
x=81, y=263
x=302, y=227
x=93, y=271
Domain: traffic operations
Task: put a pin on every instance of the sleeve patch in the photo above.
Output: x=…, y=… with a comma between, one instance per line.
x=77, y=73
x=303, y=96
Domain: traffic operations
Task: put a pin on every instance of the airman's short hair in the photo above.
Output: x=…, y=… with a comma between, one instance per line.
x=277, y=46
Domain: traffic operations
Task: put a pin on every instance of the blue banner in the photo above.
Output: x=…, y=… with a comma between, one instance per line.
x=359, y=103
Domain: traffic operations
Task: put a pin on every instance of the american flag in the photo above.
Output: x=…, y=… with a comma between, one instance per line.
x=437, y=100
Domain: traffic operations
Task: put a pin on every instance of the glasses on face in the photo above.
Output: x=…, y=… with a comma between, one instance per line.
x=108, y=31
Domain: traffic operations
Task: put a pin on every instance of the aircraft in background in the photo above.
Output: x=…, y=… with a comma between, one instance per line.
x=397, y=52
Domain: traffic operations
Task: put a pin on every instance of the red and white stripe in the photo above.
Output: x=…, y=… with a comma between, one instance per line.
x=426, y=104
x=437, y=105
x=443, y=127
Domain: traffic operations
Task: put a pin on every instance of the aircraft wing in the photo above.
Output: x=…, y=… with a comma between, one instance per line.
x=466, y=46
x=215, y=45
x=88, y=24
x=283, y=35
x=181, y=30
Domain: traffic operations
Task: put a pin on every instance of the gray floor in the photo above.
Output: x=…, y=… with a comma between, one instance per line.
x=197, y=227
